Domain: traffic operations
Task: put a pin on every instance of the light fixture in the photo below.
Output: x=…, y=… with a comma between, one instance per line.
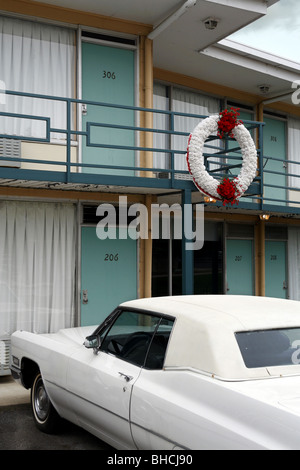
x=264, y=88
x=209, y=199
x=264, y=216
x=211, y=23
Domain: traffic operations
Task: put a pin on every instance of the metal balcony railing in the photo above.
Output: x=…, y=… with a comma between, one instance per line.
x=111, y=144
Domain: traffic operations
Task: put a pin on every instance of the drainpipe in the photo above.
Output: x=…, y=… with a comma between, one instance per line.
x=168, y=21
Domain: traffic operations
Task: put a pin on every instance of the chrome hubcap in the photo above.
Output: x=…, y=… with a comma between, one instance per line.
x=41, y=402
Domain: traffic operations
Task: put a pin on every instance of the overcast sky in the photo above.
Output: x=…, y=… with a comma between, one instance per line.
x=278, y=32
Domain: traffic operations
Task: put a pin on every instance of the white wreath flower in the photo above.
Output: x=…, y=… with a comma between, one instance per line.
x=195, y=160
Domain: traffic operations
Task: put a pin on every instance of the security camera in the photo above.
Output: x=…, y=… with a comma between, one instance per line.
x=211, y=23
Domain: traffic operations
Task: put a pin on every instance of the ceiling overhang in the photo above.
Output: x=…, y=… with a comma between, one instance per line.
x=183, y=42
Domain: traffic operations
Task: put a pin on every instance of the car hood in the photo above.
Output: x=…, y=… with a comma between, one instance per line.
x=75, y=336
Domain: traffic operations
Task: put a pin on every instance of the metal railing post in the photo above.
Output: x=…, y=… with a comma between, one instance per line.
x=187, y=255
x=68, y=156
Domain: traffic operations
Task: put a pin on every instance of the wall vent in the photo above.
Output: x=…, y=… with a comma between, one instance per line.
x=107, y=38
x=10, y=148
x=4, y=355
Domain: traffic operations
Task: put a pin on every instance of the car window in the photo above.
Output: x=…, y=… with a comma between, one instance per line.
x=130, y=336
x=157, y=351
x=139, y=338
x=266, y=348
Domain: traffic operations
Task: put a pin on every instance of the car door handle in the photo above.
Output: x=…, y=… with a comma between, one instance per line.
x=126, y=377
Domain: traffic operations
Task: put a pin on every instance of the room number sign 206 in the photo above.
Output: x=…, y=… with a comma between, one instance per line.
x=111, y=257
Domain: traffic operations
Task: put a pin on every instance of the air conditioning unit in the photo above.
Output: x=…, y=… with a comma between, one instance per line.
x=10, y=148
x=4, y=355
x=183, y=176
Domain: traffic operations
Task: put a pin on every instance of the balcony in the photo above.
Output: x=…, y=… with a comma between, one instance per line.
x=101, y=146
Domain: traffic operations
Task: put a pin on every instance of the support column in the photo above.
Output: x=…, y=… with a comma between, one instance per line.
x=259, y=144
x=146, y=140
x=187, y=255
x=260, y=264
x=146, y=101
x=148, y=251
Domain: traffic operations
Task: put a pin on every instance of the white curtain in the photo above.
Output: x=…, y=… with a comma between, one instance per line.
x=185, y=101
x=35, y=58
x=294, y=152
x=37, y=266
x=294, y=262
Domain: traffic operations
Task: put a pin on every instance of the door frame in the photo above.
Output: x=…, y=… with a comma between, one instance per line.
x=80, y=224
x=108, y=43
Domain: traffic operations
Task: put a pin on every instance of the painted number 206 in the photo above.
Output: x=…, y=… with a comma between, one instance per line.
x=107, y=74
x=111, y=257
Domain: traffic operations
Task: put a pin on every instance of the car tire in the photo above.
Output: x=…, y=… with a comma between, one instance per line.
x=45, y=416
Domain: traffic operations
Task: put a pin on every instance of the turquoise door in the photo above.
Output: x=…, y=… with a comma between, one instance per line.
x=108, y=275
x=233, y=144
x=108, y=77
x=239, y=265
x=274, y=170
x=276, y=281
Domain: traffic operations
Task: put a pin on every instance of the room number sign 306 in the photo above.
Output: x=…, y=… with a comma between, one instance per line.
x=109, y=75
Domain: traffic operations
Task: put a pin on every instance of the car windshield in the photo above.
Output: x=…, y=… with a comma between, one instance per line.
x=266, y=348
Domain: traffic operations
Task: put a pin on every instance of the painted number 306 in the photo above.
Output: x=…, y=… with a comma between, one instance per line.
x=111, y=257
x=107, y=74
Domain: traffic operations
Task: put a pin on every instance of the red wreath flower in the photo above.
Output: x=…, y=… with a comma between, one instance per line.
x=228, y=191
x=228, y=121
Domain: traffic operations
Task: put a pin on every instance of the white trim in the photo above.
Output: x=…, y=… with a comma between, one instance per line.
x=258, y=54
x=252, y=63
x=172, y=18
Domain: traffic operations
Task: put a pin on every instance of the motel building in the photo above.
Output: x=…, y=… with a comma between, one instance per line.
x=97, y=104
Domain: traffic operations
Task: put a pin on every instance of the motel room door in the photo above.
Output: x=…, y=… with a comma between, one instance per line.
x=239, y=267
x=108, y=76
x=108, y=274
x=275, y=170
x=276, y=269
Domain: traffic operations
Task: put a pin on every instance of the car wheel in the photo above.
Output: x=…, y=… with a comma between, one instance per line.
x=45, y=416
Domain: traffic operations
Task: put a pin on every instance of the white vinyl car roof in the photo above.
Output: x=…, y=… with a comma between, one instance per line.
x=203, y=337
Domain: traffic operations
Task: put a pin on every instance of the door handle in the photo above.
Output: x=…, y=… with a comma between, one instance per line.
x=126, y=377
x=84, y=109
x=85, y=296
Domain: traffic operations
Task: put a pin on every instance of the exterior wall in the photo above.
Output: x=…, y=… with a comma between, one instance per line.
x=51, y=152
x=145, y=99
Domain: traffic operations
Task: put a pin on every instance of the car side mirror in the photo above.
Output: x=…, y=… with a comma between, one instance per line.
x=92, y=342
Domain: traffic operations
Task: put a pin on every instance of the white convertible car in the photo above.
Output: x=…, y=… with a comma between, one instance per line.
x=173, y=373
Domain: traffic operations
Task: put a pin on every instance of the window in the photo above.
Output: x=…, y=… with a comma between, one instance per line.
x=156, y=354
x=179, y=100
x=138, y=338
x=37, y=275
x=268, y=348
x=35, y=58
